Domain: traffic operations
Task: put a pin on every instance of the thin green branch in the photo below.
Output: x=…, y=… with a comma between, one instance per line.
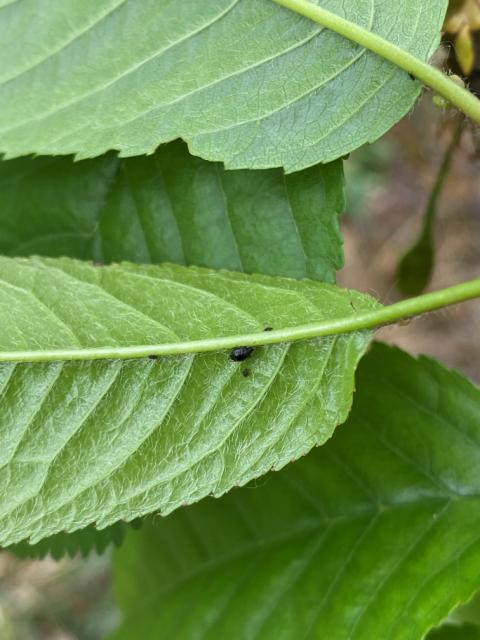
x=442, y=174
x=358, y=322
x=432, y=77
x=416, y=265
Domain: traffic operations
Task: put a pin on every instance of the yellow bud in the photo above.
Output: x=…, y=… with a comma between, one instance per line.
x=465, y=50
x=440, y=102
x=461, y=13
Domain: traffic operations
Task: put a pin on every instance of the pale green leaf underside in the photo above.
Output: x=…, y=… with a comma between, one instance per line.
x=99, y=441
x=242, y=81
x=376, y=535
x=174, y=207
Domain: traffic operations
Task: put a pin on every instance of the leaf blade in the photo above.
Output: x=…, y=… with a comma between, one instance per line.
x=466, y=631
x=321, y=95
x=373, y=535
x=173, y=207
x=82, y=542
x=85, y=443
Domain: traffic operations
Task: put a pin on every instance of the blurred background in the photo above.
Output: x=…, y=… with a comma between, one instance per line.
x=388, y=188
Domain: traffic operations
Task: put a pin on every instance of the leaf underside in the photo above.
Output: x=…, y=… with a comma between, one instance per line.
x=242, y=81
x=374, y=535
x=174, y=207
x=98, y=441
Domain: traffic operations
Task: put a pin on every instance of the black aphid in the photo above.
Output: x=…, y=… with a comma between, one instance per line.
x=246, y=373
x=240, y=353
x=268, y=328
x=152, y=357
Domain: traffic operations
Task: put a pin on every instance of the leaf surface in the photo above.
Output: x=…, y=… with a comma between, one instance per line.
x=242, y=81
x=374, y=535
x=81, y=542
x=97, y=441
x=466, y=631
x=174, y=207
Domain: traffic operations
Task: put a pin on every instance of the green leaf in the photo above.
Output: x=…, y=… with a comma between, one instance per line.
x=374, y=535
x=462, y=624
x=416, y=266
x=455, y=632
x=177, y=208
x=242, y=81
x=81, y=542
x=98, y=441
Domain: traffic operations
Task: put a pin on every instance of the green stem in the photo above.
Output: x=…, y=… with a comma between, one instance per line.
x=416, y=265
x=442, y=174
x=432, y=77
x=358, y=322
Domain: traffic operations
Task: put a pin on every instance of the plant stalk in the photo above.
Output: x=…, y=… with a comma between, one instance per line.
x=356, y=322
x=442, y=174
x=429, y=75
x=416, y=265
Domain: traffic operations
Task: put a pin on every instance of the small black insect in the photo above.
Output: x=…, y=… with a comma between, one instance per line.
x=240, y=353
x=246, y=373
x=268, y=328
x=152, y=357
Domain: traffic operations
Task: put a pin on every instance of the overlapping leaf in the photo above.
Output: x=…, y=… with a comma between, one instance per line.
x=243, y=81
x=465, y=631
x=177, y=208
x=374, y=535
x=81, y=542
x=98, y=441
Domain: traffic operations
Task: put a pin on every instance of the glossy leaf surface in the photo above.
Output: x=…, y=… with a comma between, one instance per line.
x=374, y=535
x=174, y=207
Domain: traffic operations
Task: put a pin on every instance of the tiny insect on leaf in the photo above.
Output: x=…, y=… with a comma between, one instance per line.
x=240, y=353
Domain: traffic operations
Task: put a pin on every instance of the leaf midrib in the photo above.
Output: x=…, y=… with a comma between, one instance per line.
x=351, y=323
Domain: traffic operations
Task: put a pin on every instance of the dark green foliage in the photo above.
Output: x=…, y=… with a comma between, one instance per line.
x=81, y=542
x=374, y=535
